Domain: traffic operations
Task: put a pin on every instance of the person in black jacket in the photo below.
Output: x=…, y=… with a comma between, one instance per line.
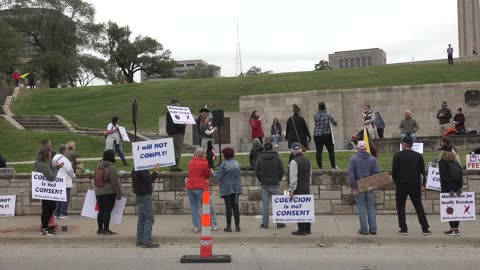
x=297, y=129
x=142, y=182
x=269, y=172
x=255, y=152
x=177, y=132
x=451, y=180
x=408, y=171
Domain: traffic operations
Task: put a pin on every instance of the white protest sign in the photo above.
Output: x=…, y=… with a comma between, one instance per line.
x=433, y=179
x=148, y=153
x=417, y=147
x=7, y=206
x=299, y=208
x=43, y=189
x=90, y=208
x=181, y=115
x=473, y=162
x=457, y=208
x=124, y=134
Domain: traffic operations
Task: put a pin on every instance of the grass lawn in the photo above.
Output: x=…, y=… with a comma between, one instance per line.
x=94, y=106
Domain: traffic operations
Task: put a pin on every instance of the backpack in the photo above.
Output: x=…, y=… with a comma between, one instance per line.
x=98, y=179
x=3, y=162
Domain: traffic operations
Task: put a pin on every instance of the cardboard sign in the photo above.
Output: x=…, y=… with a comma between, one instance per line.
x=473, y=162
x=299, y=208
x=43, y=189
x=7, y=206
x=374, y=182
x=181, y=115
x=148, y=153
x=90, y=208
x=124, y=134
x=457, y=208
x=433, y=179
x=417, y=147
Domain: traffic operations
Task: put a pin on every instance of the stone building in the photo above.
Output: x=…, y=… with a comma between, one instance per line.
x=468, y=27
x=357, y=58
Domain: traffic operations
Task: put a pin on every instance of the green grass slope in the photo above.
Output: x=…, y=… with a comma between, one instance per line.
x=94, y=106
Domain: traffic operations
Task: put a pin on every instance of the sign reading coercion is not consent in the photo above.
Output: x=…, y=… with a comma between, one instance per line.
x=43, y=189
x=299, y=208
x=148, y=153
x=457, y=208
x=7, y=206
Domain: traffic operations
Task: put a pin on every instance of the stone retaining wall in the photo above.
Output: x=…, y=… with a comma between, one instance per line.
x=331, y=190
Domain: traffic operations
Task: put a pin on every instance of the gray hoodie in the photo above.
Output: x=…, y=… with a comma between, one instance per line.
x=362, y=165
x=112, y=184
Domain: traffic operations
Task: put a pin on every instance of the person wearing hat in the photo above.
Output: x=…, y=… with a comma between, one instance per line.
x=203, y=114
x=451, y=180
x=177, y=132
x=363, y=165
x=408, y=173
x=300, y=173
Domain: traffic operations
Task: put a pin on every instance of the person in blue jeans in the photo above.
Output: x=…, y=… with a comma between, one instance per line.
x=112, y=139
x=142, y=182
x=363, y=165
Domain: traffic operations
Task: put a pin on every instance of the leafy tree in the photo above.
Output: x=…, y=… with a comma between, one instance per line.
x=89, y=68
x=142, y=54
x=254, y=70
x=322, y=65
x=202, y=71
x=10, y=44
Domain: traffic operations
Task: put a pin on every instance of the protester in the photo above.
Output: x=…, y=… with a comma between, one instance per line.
x=300, y=173
x=363, y=165
x=16, y=77
x=443, y=116
x=197, y=182
x=369, y=121
x=113, y=140
x=255, y=152
x=177, y=132
x=448, y=141
x=42, y=165
x=3, y=162
x=450, y=54
x=73, y=157
x=408, y=173
x=269, y=172
x=68, y=174
x=408, y=127
x=107, y=194
x=459, y=121
x=31, y=80
x=206, y=132
x=297, y=129
x=203, y=113
x=322, y=135
x=380, y=124
x=256, y=125
x=142, y=182
x=451, y=180
x=48, y=144
x=230, y=184
x=276, y=131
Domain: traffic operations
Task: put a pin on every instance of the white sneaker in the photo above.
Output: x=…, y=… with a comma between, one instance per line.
x=196, y=230
x=64, y=217
x=214, y=228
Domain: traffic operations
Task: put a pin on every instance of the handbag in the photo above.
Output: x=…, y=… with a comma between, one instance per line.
x=304, y=149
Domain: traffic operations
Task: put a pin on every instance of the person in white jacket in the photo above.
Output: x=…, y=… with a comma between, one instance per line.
x=68, y=174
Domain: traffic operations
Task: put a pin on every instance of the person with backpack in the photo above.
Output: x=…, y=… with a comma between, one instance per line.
x=107, y=189
x=142, y=182
x=451, y=180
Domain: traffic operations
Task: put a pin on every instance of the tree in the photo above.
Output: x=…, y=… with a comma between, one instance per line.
x=322, y=65
x=254, y=70
x=89, y=68
x=10, y=44
x=143, y=54
x=202, y=71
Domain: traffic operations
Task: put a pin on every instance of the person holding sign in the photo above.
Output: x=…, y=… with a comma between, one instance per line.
x=68, y=174
x=177, y=132
x=113, y=139
x=451, y=180
x=42, y=165
x=408, y=173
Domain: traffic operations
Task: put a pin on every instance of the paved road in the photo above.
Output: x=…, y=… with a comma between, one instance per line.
x=243, y=257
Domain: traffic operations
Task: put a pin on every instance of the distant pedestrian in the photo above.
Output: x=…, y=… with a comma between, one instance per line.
x=68, y=173
x=113, y=139
x=444, y=115
x=269, y=172
x=300, y=174
x=474, y=48
x=276, y=131
x=448, y=141
x=369, y=121
x=255, y=152
x=142, y=182
x=177, y=132
x=459, y=121
x=297, y=129
x=256, y=125
x=230, y=185
x=322, y=135
x=408, y=173
x=363, y=165
x=48, y=144
x=72, y=155
x=16, y=77
x=450, y=54
x=451, y=181
x=380, y=124
x=31, y=80
x=203, y=114
x=408, y=126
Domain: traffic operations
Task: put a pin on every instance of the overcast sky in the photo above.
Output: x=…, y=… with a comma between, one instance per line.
x=286, y=36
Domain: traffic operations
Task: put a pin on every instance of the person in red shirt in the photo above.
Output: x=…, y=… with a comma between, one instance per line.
x=256, y=124
x=16, y=77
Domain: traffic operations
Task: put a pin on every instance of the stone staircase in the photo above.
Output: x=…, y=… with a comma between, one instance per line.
x=40, y=122
x=4, y=93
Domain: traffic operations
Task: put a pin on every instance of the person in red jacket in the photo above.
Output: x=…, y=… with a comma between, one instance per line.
x=16, y=77
x=198, y=175
x=256, y=124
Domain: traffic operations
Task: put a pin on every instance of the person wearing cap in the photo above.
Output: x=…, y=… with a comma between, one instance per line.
x=444, y=115
x=451, y=180
x=203, y=114
x=300, y=173
x=408, y=173
x=177, y=132
x=363, y=165
x=408, y=126
x=269, y=172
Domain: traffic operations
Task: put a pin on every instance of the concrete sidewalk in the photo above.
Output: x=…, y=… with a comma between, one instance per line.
x=172, y=229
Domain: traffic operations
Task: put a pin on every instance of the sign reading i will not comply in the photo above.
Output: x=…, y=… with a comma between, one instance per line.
x=7, y=206
x=148, y=153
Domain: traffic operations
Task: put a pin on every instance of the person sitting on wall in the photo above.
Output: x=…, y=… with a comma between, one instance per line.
x=408, y=127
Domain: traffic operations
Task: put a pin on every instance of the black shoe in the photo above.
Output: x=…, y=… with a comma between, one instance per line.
x=108, y=232
x=426, y=232
x=100, y=232
x=228, y=229
x=264, y=226
x=362, y=233
x=448, y=232
x=299, y=233
x=139, y=244
x=404, y=232
x=308, y=232
x=151, y=245
x=373, y=233
x=237, y=228
x=281, y=225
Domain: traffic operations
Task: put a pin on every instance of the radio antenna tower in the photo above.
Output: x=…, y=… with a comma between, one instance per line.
x=238, y=57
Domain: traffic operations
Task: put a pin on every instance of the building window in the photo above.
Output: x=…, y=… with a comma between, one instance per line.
x=358, y=62
x=369, y=61
x=341, y=63
x=364, y=61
